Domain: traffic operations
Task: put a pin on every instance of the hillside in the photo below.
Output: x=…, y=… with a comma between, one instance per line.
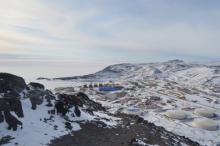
x=155, y=90
x=178, y=103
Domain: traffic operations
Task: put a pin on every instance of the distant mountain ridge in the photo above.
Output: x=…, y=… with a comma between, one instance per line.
x=119, y=70
x=173, y=70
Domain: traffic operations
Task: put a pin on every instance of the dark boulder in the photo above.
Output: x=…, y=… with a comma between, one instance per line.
x=36, y=86
x=11, y=83
x=16, y=106
x=4, y=104
x=36, y=97
x=11, y=121
x=82, y=100
x=67, y=101
x=11, y=104
x=90, y=104
x=60, y=108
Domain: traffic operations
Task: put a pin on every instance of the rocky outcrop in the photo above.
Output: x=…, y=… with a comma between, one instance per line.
x=11, y=83
x=80, y=100
x=8, y=105
x=10, y=88
x=14, y=89
x=130, y=131
x=61, y=107
x=4, y=105
x=36, y=97
x=11, y=104
x=12, y=121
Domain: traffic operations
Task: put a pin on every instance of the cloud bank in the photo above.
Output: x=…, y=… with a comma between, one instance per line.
x=124, y=30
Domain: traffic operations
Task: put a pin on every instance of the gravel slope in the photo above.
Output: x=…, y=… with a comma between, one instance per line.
x=132, y=127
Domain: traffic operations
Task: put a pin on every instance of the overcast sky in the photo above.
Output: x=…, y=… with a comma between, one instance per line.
x=110, y=30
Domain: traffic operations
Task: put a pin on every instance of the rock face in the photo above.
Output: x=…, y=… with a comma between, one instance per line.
x=11, y=104
x=11, y=83
x=10, y=88
x=36, y=97
x=16, y=106
x=8, y=105
x=80, y=100
x=61, y=108
x=12, y=121
x=131, y=131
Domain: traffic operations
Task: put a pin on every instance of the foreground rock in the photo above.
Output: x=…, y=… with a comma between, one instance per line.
x=11, y=87
x=41, y=117
x=36, y=97
x=11, y=83
x=11, y=104
x=78, y=101
x=131, y=131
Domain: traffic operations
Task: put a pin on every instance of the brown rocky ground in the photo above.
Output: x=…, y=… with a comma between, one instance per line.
x=131, y=128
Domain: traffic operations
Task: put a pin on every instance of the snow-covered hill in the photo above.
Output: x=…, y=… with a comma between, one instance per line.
x=152, y=89
x=174, y=70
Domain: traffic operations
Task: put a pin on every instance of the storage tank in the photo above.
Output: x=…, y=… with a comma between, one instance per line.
x=206, y=124
x=176, y=114
x=208, y=113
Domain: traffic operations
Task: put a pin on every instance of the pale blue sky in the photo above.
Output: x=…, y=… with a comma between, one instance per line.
x=110, y=30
